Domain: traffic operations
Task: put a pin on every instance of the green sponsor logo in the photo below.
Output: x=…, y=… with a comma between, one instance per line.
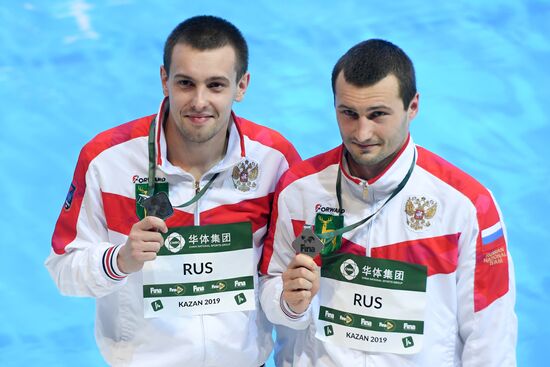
x=157, y=305
x=326, y=223
x=328, y=330
x=408, y=342
x=240, y=298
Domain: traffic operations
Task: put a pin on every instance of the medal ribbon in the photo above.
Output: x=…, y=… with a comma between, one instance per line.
x=153, y=165
x=330, y=235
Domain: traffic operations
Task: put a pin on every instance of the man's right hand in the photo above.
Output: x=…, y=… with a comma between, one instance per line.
x=300, y=283
x=144, y=241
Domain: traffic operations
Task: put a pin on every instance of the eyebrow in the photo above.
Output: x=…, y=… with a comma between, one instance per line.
x=370, y=108
x=209, y=80
x=218, y=78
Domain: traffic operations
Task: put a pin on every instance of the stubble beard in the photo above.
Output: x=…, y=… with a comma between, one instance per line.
x=366, y=163
x=366, y=160
x=198, y=135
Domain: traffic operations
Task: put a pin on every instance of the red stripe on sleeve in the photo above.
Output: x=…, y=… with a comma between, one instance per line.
x=491, y=279
x=491, y=276
x=65, y=228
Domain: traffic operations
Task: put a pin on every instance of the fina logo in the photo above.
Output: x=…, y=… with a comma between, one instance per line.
x=137, y=179
x=349, y=269
x=174, y=243
x=327, y=209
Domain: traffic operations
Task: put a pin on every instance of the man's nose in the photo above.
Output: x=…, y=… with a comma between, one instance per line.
x=200, y=100
x=365, y=129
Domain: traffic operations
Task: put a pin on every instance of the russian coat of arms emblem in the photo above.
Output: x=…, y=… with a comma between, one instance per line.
x=245, y=175
x=420, y=210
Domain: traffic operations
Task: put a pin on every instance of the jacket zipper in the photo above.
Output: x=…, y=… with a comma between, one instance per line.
x=197, y=187
x=365, y=185
x=196, y=216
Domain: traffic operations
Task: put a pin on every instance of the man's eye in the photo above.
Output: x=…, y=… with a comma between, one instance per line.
x=216, y=86
x=350, y=114
x=184, y=83
x=376, y=114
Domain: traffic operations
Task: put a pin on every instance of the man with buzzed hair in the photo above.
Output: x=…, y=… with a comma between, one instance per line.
x=166, y=215
x=379, y=252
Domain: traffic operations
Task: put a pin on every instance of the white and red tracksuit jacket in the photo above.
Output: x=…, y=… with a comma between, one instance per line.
x=469, y=319
x=99, y=213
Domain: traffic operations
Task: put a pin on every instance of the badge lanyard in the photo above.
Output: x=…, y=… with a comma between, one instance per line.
x=152, y=168
x=330, y=235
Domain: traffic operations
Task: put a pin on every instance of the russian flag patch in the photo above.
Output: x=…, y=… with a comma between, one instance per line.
x=492, y=234
x=491, y=275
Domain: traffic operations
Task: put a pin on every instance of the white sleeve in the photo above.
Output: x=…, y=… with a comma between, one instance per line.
x=82, y=261
x=278, y=253
x=486, y=291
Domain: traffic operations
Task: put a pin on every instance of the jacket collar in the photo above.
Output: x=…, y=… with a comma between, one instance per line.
x=235, y=145
x=386, y=182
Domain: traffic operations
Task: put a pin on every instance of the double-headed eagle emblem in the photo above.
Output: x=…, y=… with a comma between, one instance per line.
x=245, y=175
x=419, y=211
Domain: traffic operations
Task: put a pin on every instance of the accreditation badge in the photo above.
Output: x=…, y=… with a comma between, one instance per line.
x=370, y=304
x=326, y=223
x=201, y=270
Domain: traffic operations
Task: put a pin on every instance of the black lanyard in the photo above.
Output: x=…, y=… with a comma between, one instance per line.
x=329, y=235
x=153, y=165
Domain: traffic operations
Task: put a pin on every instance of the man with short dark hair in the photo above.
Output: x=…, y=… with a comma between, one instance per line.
x=166, y=215
x=379, y=252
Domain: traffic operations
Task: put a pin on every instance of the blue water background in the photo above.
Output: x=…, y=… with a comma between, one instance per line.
x=70, y=69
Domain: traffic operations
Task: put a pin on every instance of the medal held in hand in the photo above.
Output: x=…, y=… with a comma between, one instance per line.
x=307, y=242
x=158, y=206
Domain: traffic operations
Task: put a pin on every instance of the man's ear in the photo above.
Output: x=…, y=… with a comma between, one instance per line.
x=242, y=85
x=412, y=111
x=164, y=80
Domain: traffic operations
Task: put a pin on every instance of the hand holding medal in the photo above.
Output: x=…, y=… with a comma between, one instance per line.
x=144, y=240
x=301, y=278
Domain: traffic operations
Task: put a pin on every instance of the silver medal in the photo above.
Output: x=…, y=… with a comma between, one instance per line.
x=307, y=242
